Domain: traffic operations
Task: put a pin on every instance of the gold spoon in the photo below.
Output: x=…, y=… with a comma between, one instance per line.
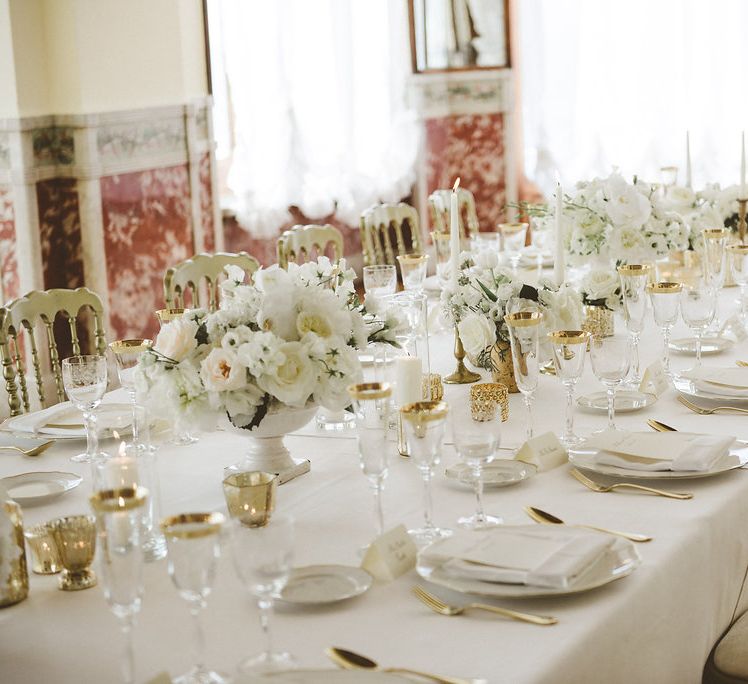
x=349, y=660
x=542, y=517
x=660, y=427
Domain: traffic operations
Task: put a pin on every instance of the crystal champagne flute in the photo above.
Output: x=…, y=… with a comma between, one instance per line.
x=84, y=378
x=715, y=267
x=126, y=354
x=119, y=524
x=524, y=337
x=371, y=406
x=569, y=351
x=424, y=423
x=634, y=279
x=738, y=258
x=611, y=360
x=665, y=308
x=698, y=301
x=193, y=544
x=263, y=557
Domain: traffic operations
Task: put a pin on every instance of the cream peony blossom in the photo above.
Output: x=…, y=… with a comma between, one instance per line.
x=176, y=339
x=221, y=371
x=294, y=379
x=477, y=334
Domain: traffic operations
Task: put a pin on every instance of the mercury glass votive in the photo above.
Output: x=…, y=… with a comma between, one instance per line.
x=485, y=395
x=44, y=553
x=250, y=496
x=75, y=537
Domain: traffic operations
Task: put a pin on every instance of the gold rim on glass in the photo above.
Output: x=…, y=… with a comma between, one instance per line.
x=665, y=288
x=166, y=315
x=174, y=526
x=118, y=500
x=370, y=390
x=130, y=346
x=512, y=227
x=523, y=319
x=635, y=269
x=442, y=237
x=714, y=233
x=412, y=258
x=424, y=411
x=253, y=478
x=740, y=249
x=569, y=336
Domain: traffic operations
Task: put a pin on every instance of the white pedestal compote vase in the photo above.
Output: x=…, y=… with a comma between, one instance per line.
x=266, y=451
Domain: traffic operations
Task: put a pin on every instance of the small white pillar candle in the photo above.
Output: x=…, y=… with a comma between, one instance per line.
x=408, y=380
x=559, y=274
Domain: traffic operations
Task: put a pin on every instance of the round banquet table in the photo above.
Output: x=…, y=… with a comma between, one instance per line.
x=656, y=625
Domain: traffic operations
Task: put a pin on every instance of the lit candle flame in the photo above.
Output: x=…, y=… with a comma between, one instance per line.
x=122, y=449
x=456, y=185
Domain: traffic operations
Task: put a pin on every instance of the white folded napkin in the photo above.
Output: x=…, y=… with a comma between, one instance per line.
x=674, y=451
x=552, y=557
x=727, y=381
x=110, y=415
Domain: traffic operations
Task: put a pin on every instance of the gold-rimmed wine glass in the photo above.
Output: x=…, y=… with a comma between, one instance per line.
x=168, y=315
x=371, y=407
x=665, y=309
x=193, y=547
x=738, y=258
x=569, y=351
x=120, y=530
x=126, y=354
x=424, y=423
x=443, y=251
x=698, y=304
x=524, y=338
x=611, y=360
x=715, y=265
x=413, y=270
x=634, y=279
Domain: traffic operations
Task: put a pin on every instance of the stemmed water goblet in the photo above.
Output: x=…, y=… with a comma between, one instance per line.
x=698, y=302
x=738, y=258
x=477, y=435
x=371, y=406
x=443, y=251
x=380, y=279
x=119, y=524
x=569, y=351
x=85, y=378
x=611, y=360
x=715, y=267
x=263, y=556
x=193, y=543
x=634, y=278
x=424, y=423
x=126, y=354
x=413, y=270
x=524, y=338
x=513, y=238
x=665, y=308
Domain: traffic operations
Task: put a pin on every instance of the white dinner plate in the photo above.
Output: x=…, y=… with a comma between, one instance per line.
x=710, y=344
x=687, y=387
x=323, y=677
x=583, y=459
x=618, y=560
x=316, y=584
x=110, y=418
x=33, y=489
x=499, y=473
x=626, y=401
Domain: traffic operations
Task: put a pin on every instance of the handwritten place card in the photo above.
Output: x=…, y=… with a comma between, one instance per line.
x=544, y=452
x=655, y=380
x=391, y=555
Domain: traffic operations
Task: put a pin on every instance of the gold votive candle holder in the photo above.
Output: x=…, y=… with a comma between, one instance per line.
x=598, y=320
x=250, y=496
x=485, y=395
x=166, y=315
x=432, y=387
x=75, y=537
x=44, y=554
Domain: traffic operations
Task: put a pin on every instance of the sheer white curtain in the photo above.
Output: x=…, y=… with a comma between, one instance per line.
x=618, y=82
x=316, y=95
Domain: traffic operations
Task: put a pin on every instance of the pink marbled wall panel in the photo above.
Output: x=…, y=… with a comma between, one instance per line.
x=206, y=203
x=60, y=232
x=147, y=228
x=472, y=147
x=8, y=255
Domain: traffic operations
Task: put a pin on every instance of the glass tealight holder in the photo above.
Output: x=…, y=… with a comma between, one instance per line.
x=634, y=279
x=167, y=315
x=665, y=308
x=44, y=553
x=413, y=270
x=250, y=496
x=75, y=537
x=569, y=352
x=334, y=421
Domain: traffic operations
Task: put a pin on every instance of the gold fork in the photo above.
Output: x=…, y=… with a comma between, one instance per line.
x=438, y=606
x=595, y=487
x=708, y=411
x=34, y=451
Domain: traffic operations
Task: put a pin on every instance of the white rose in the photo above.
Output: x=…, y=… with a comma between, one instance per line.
x=477, y=333
x=221, y=371
x=294, y=379
x=176, y=339
x=626, y=206
x=600, y=283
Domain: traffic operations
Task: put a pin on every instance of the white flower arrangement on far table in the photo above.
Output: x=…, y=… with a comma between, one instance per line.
x=288, y=339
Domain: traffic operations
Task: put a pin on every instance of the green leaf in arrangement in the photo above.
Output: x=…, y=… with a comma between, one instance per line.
x=486, y=291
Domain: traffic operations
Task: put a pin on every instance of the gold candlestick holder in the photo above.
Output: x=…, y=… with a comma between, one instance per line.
x=462, y=375
x=741, y=219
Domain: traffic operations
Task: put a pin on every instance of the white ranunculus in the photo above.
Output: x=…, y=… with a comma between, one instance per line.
x=221, y=371
x=294, y=379
x=261, y=353
x=600, y=283
x=477, y=333
x=176, y=339
x=626, y=206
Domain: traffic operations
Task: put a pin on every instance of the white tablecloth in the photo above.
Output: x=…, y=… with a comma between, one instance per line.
x=657, y=625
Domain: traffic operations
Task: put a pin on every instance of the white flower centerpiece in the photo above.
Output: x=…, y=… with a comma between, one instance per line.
x=275, y=351
x=711, y=207
x=485, y=293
